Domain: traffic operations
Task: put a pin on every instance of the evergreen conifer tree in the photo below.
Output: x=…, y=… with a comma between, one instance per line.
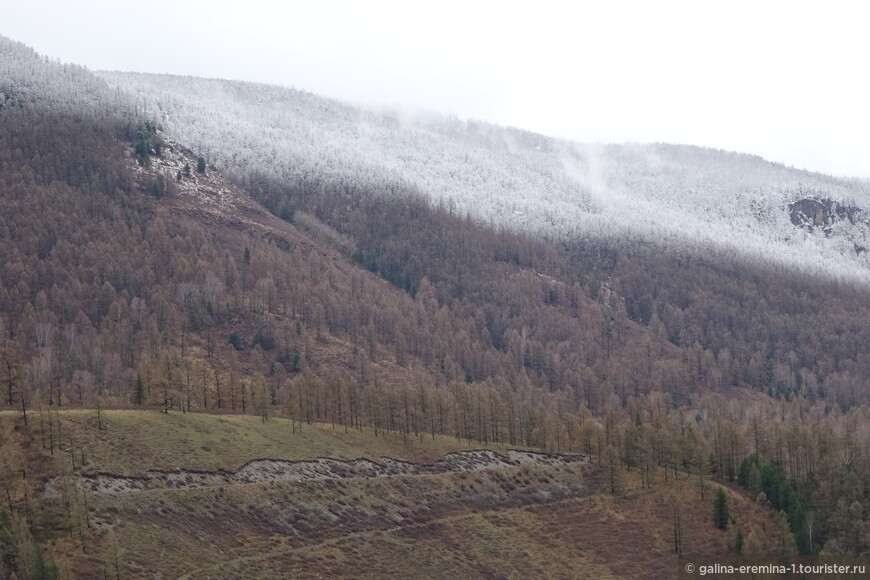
x=721, y=514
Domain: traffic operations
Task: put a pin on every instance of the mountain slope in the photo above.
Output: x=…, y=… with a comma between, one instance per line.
x=673, y=196
x=134, y=275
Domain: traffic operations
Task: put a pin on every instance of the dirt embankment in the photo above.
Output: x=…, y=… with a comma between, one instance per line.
x=272, y=470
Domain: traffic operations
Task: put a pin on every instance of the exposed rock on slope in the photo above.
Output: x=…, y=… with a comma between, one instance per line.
x=811, y=213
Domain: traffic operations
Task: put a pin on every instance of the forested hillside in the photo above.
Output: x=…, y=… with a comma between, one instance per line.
x=674, y=195
x=136, y=272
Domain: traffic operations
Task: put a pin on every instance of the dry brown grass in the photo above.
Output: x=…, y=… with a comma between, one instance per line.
x=518, y=522
x=134, y=441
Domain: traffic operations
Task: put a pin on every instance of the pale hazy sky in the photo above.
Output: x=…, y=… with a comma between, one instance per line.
x=785, y=80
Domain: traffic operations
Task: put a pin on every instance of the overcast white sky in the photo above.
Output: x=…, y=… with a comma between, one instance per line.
x=785, y=80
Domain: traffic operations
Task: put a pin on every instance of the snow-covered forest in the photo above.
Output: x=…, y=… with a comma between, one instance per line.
x=26, y=76
x=680, y=196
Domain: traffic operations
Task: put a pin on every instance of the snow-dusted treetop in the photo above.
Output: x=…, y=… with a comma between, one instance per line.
x=674, y=194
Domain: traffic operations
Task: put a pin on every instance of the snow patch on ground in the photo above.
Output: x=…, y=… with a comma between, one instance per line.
x=210, y=188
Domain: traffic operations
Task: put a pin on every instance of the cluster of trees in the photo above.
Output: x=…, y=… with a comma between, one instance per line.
x=782, y=332
x=770, y=480
x=20, y=555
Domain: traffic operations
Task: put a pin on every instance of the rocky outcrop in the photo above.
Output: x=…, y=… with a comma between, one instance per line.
x=811, y=213
x=821, y=212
